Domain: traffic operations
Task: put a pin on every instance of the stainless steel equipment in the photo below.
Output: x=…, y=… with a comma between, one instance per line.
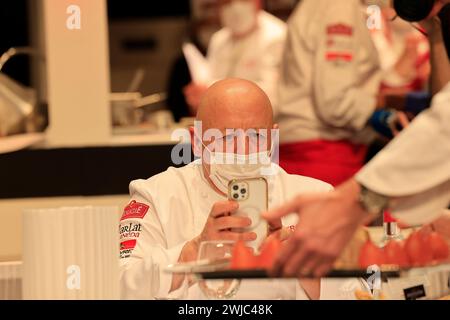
x=130, y=108
x=18, y=111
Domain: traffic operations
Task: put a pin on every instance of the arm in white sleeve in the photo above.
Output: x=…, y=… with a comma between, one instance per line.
x=346, y=75
x=415, y=167
x=143, y=261
x=270, y=69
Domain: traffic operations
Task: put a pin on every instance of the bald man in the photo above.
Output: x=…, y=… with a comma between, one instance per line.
x=171, y=213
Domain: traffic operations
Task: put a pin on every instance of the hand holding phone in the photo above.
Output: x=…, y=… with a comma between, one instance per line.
x=252, y=196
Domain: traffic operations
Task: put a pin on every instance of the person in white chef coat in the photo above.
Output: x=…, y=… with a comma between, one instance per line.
x=411, y=176
x=171, y=213
x=249, y=46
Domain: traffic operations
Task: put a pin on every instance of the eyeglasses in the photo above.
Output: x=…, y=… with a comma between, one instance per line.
x=238, y=140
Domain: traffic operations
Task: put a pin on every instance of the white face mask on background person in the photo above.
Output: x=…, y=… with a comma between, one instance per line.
x=239, y=16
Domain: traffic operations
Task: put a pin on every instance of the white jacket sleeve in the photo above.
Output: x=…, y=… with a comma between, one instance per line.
x=415, y=167
x=144, y=252
x=216, y=45
x=270, y=64
x=346, y=76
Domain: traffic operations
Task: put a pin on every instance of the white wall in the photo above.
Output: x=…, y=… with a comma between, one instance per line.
x=77, y=68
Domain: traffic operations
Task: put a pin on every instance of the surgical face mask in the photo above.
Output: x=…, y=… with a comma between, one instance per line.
x=414, y=10
x=239, y=16
x=225, y=167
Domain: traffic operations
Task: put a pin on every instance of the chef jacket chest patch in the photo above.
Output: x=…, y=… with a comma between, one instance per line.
x=339, y=44
x=134, y=210
x=130, y=227
x=130, y=230
x=126, y=248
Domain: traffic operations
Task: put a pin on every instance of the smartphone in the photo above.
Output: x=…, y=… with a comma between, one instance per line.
x=252, y=196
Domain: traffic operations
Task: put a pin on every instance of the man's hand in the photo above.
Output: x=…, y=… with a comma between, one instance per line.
x=221, y=222
x=193, y=93
x=219, y=226
x=275, y=226
x=326, y=224
x=282, y=234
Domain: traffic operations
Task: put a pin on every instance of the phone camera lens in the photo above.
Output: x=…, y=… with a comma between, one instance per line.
x=235, y=196
x=235, y=188
x=243, y=191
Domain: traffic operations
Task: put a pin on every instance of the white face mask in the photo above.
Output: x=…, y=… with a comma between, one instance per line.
x=239, y=16
x=224, y=167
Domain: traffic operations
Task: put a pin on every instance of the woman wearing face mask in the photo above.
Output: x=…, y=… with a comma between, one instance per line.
x=249, y=46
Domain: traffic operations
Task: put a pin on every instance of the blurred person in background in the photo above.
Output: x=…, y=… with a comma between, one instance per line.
x=329, y=90
x=411, y=176
x=249, y=46
x=200, y=33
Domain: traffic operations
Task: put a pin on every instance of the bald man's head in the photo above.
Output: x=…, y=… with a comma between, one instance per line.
x=235, y=104
x=235, y=117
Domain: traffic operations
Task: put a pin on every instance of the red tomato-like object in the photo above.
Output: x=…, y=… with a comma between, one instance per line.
x=243, y=257
x=396, y=254
x=370, y=254
x=417, y=249
x=269, y=252
x=438, y=246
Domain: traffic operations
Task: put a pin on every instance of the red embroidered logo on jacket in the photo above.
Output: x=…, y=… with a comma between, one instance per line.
x=129, y=244
x=339, y=56
x=134, y=210
x=340, y=29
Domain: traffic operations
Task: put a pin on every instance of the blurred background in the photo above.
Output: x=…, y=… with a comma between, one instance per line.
x=91, y=92
x=144, y=46
x=85, y=111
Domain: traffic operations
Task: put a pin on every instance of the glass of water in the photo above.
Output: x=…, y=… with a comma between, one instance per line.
x=217, y=289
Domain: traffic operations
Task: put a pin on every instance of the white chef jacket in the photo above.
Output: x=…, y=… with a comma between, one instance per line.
x=170, y=209
x=414, y=168
x=256, y=57
x=330, y=74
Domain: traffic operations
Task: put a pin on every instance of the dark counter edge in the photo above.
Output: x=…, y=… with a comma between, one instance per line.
x=90, y=171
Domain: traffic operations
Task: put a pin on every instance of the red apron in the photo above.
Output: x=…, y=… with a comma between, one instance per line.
x=330, y=161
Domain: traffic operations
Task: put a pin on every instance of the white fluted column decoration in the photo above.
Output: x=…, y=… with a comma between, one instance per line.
x=71, y=253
